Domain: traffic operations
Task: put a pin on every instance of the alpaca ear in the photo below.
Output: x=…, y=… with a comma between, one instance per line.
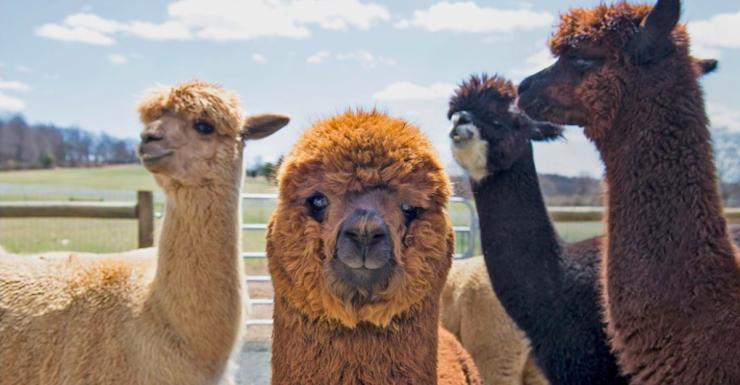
x=652, y=41
x=545, y=132
x=539, y=131
x=705, y=66
x=262, y=126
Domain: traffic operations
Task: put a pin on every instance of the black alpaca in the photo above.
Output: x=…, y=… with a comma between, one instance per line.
x=549, y=288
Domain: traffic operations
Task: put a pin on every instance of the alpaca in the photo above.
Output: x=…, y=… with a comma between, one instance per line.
x=472, y=312
x=549, y=288
x=119, y=321
x=358, y=249
x=670, y=271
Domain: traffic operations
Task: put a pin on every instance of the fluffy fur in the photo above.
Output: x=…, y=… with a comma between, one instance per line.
x=327, y=332
x=549, y=288
x=122, y=319
x=671, y=274
x=472, y=312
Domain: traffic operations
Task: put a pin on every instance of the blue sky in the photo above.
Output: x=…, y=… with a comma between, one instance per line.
x=86, y=63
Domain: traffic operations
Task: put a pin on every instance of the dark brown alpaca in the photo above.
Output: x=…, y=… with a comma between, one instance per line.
x=671, y=277
x=359, y=248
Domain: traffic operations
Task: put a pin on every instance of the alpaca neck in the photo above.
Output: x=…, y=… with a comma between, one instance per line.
x=198, y=283
x=323, y=352
x=521, y=248
x=665, y=221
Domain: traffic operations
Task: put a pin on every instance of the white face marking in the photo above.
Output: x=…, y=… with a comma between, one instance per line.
x=469, y=150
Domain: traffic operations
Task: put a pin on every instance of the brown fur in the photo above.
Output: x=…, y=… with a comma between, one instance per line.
x=124, y=319
x=472, y=312
x=327, y=332
x=671, y=275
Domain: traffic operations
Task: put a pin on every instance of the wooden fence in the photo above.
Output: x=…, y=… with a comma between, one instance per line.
x=142, y=210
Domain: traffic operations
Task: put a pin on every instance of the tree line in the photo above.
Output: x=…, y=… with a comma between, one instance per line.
x=31, y=146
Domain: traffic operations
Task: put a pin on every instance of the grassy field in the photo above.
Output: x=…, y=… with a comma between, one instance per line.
x=46, y=234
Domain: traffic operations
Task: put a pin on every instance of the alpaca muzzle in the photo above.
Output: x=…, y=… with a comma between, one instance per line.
x=364, y=252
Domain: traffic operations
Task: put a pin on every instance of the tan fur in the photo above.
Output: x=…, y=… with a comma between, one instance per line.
x=472, y=312
x=69, y=319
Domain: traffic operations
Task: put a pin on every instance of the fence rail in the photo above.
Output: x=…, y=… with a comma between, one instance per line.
x=142, y=210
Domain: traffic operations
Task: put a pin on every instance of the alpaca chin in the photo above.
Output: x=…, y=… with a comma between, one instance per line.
x=472, y=156
x=356, y=295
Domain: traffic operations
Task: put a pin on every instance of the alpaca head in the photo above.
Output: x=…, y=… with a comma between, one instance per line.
x=194, y=134
x=361, y=232
x=608, y=56
x=489, y=134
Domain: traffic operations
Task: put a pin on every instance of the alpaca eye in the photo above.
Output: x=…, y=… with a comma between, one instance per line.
x=203, y=128
x=463, y=120
x=317, y=205
x=409, y=212
x=584, y=64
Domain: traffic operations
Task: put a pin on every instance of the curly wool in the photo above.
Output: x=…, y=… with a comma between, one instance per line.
x=353, y=152
x=605, y=26
x=317, y=338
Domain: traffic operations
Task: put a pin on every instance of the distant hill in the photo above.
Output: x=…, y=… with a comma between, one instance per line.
x=31, y=146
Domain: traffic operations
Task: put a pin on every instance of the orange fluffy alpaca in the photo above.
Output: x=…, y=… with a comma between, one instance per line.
x=125, y=320
x=359, y=248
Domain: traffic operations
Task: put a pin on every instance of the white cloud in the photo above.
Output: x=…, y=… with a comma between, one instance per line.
x=412, y=91
x=10, y=103
x=259, y=58
x=24, y=69
x=533, y=64
x=318, y=57
x=73, y=33
x=467, y=16
x=363, y=57
x=117, y=59
x=13, y=85
x=223, y=20
x=724, y=117
x=720, y=31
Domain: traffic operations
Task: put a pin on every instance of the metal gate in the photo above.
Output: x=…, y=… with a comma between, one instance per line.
x=466, y=238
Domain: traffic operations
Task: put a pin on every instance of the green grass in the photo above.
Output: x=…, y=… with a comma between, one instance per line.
x=129, y=177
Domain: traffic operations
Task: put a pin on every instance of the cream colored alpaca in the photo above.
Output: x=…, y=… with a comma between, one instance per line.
x=473, y=313
x=125, y=321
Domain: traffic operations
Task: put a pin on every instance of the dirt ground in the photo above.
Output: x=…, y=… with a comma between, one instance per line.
x=254, y=364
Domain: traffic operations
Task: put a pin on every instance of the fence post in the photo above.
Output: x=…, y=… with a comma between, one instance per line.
x=145, y=217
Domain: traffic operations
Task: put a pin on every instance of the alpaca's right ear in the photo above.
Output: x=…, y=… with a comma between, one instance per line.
x=539, y=131
x=652, y=42
x=545, y=132
x=262, y=126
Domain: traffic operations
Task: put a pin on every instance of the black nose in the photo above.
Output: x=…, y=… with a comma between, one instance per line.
x=150, y=136
x=363, y=241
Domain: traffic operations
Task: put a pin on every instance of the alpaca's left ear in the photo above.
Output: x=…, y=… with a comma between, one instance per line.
x=262, y=126
x=653, y=42
x=705, y=66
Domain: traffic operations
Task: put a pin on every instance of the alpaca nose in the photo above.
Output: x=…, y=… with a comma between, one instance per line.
x=364, y=241
x=151, y=133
